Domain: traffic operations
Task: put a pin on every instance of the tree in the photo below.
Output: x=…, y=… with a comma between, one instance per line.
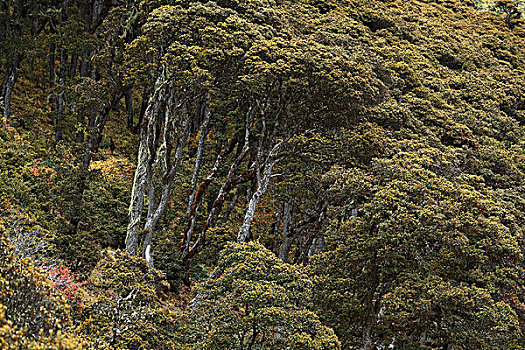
x=124, y=309
x=32, y=314
x=257, y=302
x=425, y=254
x=207, y=60
x=511, y=11
x=22, y=22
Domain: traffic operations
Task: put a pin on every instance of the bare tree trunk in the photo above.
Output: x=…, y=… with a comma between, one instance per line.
x=276, y=227
x=84, y=65
x=371, y=309
x=155, y=215
x=143, y=163
x=262, y=184
x=314, y=242
x=370, y=321
x=174, y=129
x=203, y=132
x=199, y=194
x=128, y=99
x=73, y=65
x=196, y=201
x=61, y=101
x=4, y=84
x=317, y=246
x=10, y=80
x=231, y=207
x=226, y=187
x=96, y=127
x=97, y=124
x=11, y=74
x=99, y=12
x=287, y=239
x=263, y=173
x=143, y=107
x=4, y=8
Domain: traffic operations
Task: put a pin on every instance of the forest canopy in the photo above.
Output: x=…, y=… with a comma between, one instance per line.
x=262, y=174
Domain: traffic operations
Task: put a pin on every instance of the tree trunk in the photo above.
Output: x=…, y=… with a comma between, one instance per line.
x=96, y=129
x=10, y=80
x=52, y=69
x=231, y=207
x=263, y=173
x=61, y=82
x=73, y=66
x=262, y=184
x=167, y=179
x=196, y=201
x=203, y=132
x=226, y=187
x=61, y=101
x=371, y=306
x=287, y=240
x=128, y=98
x=173, y=129
x=13, y=65
x=143, y=163
x=81, y=119
x=317, y=246
x=84, y=65
x=143, y=107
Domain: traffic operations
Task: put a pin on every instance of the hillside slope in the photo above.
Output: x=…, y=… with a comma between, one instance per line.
x=373, y=150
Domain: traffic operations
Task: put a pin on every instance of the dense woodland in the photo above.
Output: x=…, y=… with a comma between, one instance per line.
x=262, y=174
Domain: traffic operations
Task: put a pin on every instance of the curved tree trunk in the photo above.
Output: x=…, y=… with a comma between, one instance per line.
x=10, y=81
x=262, y=184
x=138, y=190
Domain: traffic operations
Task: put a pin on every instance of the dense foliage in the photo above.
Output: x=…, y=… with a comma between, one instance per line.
x=262, y=174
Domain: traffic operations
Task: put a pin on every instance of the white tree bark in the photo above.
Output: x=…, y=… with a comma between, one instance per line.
x=262, y=184
x=170, y=167
x=138, y=190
